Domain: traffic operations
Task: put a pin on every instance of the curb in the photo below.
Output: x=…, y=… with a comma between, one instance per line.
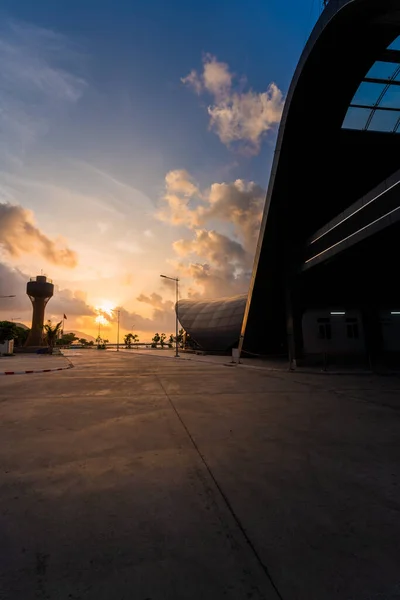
x=298, y=371
x=70, y=366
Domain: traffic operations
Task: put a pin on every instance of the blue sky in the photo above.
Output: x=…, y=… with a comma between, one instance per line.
x=103, y=117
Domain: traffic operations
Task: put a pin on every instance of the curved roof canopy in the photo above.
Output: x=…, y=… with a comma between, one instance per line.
x=213, y=324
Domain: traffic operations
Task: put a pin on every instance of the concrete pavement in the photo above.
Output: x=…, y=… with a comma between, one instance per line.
x=32, y=362
x=137, y=478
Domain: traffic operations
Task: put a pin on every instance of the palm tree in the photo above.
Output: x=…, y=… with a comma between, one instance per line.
x=155, y=340
x=51, y=334
x=128, y=340
x=135, y=339
x=162, y=339
x=101, y=343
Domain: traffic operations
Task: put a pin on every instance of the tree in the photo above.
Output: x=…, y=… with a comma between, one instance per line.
x=22, y=336
x=83, y=342
x=11, y=331
x=171, y=341
x=8, y=331
x=101, y=343
x=51, y=334
x=128, y=340
x=66, y=339
x=155, y=340
x=162, y=339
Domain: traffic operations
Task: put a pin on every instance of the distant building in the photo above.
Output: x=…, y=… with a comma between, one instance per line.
x=7, y=347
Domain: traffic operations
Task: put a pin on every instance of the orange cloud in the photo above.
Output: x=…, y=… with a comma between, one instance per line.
x=19, y=235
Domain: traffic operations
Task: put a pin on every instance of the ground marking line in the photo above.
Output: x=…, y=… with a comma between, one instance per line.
x=223, y=495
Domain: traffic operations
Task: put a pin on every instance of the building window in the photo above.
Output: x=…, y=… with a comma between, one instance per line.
x=324, y=329
x=352, y=329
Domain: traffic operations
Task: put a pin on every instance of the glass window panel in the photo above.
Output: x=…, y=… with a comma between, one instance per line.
x=396, y=44
x=356, y=118
x=384, y=120
x=392, y=97
x=368, y=93
x=383, y=70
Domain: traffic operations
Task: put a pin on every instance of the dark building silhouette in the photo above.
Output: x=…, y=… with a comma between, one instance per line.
x=330, y=234
x=40, y=290
x=325, y=275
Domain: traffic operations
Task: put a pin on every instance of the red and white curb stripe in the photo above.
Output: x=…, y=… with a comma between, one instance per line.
x=36, y=371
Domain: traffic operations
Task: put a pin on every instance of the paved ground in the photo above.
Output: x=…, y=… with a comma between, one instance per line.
x=276, y=364
x=131, y=477
x=34, y=362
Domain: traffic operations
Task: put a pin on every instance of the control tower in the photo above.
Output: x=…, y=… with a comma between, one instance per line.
x=40, y=290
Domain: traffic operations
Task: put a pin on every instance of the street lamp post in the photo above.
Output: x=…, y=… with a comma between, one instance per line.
x=176, y=279
x=118, y=311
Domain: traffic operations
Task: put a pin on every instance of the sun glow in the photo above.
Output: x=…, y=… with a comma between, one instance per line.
x=106, y=307
x=101, y=320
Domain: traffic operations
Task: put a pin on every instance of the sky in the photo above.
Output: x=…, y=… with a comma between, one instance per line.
x=137, y=140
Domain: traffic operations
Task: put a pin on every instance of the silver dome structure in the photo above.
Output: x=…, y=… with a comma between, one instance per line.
x=213, y=324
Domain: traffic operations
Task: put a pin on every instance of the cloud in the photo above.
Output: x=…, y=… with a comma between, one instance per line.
x=72, y=303
x=227, y=267
x=19, y=235
x=215, y=247
x=236, y=116
x=212, y=281
x=193, y=81
x=35, y=86
x=219, y=264
x=216, y=77
x=162, y=319
x=239, y=203
x=179, y=190
x=156, y=301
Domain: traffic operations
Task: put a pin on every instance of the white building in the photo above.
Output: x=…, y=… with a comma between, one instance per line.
x=7, y=347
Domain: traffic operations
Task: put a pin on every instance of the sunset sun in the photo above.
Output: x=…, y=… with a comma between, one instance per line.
x=101, y=320
x=106, y=308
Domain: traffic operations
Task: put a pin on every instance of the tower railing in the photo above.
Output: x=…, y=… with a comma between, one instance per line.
x=36, y=279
